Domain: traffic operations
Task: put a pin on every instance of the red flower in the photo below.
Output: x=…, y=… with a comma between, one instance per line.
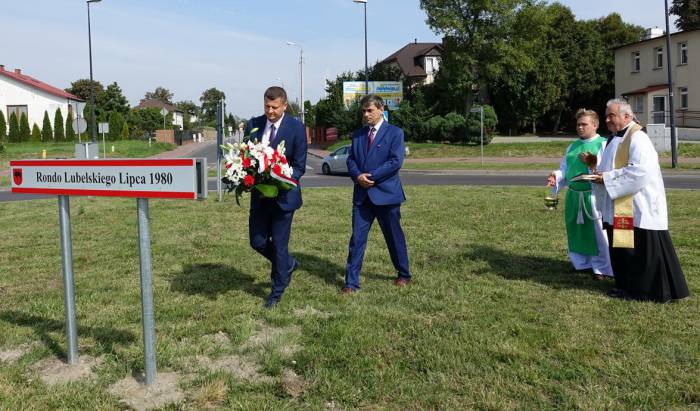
x=249, y=180
x=229, y=165
x=283, y=160
x=277, y=169
x=246, y=162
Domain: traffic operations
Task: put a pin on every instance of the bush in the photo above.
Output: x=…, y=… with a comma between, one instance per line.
x=450, y=128
x=3, y=128
x=36, y=133
x=46, y=131
x=474, y=125
x=116, y=124
x=13, y=136
x=24, y=131
x=59, y=134
x=70, y=132
x=125, y=131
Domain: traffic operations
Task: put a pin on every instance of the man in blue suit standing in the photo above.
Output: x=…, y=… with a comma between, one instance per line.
x=375, y=158
x=270, y=220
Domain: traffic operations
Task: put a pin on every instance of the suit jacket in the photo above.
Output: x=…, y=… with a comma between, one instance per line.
x=383, y=162
x=293, y=132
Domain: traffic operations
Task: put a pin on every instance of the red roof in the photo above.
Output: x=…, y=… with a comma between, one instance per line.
x=646, y=90
x=32, y=82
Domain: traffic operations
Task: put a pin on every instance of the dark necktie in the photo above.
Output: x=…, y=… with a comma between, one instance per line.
x=272, y=134
x=370, y=138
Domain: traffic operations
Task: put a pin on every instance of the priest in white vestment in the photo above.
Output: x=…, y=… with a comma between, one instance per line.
x=630, y=194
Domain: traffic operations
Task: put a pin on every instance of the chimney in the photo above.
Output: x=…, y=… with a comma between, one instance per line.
x=652, y=33
x=18, y=71
x=415, y=41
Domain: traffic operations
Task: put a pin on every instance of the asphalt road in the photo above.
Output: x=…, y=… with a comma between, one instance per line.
x=314, y=177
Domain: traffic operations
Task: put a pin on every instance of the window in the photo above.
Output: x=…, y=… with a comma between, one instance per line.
x=658, y=57
x=683, y=94
x=431, y=65
x=638, y=104
x=18, y=110
x=683, y=53
x=658, y=114
x=635, y=62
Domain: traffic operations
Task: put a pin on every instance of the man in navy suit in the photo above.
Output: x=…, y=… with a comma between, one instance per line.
x=270, y=221
x=374, y=161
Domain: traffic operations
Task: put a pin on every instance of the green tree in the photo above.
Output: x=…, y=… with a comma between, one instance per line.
x=46, y=131
x=3, y=128
x=160, y=93
x=189, y=109
x=59, y=134
x=125, y=131
x=36, y=133
x=81, y=88
x=113, y=100
x=25, y=133
x=474, y=126
x=116, y=124
x=144, y=122
x=209, y=99
x=70, y=132
x=477, y=40
x=688, y=12
x=13, y=134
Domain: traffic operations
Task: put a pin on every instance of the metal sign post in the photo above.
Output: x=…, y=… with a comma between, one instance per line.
x=220, y=110
x=140, y=178
x=68, y=288
x=480, y=110
x=149, y=333
x=103, y=128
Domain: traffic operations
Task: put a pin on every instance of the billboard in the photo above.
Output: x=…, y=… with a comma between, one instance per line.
x=390, y=91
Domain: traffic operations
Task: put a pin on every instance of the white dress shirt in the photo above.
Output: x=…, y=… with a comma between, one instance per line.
x=268, y=128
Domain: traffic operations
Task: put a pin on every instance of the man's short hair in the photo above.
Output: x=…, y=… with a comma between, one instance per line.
x=582, y=112
x=372, y=99
x=623, y=106
x=275, y=92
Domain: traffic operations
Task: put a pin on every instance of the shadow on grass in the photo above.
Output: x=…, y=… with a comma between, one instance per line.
x=553, y=273
x=106, y=337
x=331, y=272
x=211, y=280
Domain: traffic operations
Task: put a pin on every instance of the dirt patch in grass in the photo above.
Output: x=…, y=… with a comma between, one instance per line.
x=219, y=339
x=241, y=367
x=210, y=395
x=14, y=354
x=135, y=394
x=53, y=371
x=268, y=334
x=310, y=311
x=292, y=383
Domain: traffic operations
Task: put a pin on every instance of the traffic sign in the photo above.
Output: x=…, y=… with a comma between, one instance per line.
x=79, y=125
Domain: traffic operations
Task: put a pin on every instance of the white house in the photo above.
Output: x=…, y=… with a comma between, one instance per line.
x=20, y=93
x=178, y=115
x=641, y=76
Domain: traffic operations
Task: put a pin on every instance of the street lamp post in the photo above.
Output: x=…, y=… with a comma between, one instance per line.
x=301, y=70
x=92, y=85
x=674, y=153
x=366, y=69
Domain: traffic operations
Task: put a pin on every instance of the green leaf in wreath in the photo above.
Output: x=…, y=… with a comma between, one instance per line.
x=267, y=190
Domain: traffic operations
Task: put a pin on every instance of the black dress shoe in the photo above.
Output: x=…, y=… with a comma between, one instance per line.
x=271, y=302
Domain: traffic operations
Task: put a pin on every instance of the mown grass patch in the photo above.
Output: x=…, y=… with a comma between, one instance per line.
x=494, y=318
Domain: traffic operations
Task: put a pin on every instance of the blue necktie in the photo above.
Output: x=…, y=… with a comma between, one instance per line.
x=272, y=134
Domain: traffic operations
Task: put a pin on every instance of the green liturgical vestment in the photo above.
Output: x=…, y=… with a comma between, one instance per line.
x=579, y=214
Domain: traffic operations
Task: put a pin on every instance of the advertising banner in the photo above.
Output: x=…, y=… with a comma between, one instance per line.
x=390, y=91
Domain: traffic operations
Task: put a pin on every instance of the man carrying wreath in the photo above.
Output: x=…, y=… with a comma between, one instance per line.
x=270, y=220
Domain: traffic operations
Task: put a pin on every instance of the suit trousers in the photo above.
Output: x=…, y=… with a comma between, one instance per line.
x=389, y=218
x=269, y=228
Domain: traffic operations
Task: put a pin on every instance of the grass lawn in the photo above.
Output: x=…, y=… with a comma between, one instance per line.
x=544, y=149
x=494, y=319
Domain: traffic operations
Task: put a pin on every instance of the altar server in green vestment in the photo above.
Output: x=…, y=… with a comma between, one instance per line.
x=588, y=242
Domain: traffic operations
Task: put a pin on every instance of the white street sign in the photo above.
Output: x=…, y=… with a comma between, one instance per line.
x=79, y=125
x=103, y=128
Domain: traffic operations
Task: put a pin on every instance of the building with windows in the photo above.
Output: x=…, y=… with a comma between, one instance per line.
x=641, y=77
x=178, y=115
x=417, y=61
x=23, y=94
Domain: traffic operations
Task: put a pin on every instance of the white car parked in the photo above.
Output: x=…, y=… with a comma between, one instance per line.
x=335, y=162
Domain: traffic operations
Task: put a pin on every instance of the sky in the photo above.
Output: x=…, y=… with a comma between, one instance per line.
x=237, y=46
